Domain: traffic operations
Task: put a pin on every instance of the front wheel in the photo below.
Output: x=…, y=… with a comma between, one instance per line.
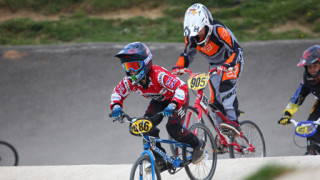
x=252, y=143
x=206, y=168
x=8, y=155
x=141, y=169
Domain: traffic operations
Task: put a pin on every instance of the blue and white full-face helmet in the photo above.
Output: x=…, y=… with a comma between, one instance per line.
x=137, y=57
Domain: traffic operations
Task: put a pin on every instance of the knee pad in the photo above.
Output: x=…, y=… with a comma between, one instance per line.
x=173, y=130
x=155, y=132
x=226, y=86
x=180, y=134
x=176, y=131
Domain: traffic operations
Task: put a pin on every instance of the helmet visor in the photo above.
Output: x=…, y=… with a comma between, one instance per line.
x=134, y=66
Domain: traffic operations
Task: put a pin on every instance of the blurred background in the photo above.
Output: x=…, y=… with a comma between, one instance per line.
x=78, y=21
x=57, y=70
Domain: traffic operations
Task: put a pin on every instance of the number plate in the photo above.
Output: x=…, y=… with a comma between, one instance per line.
x=302, y=130
x=204, y=102
x=198, y=81
x=305, y=129
x=140, y=126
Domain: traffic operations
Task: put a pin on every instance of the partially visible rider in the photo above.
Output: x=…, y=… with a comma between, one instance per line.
x=218, y=44
x=310, y=60
x=166, y=91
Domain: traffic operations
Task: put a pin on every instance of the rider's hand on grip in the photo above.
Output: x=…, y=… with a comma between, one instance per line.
x=177, y=70
x=168, y=111
x=116, y=111
x=285, y=120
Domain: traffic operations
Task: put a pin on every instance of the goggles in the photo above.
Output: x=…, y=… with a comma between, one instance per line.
x=134, y=66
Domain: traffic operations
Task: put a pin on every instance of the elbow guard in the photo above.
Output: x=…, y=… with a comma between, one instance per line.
x=291, y=109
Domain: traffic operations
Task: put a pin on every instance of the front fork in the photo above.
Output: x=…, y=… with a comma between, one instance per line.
x=152, y=160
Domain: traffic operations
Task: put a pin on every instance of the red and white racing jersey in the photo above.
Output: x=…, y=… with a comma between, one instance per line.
x=162, y=86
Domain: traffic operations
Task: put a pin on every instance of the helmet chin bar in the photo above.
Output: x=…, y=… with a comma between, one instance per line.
x=137, y=78
x=205, y=40
x=202, y=43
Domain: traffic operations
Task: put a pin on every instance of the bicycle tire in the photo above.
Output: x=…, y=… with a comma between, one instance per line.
x=253, y=135
x=139, y=167
x=192, y=118
x=206, y=168
x=9, y=155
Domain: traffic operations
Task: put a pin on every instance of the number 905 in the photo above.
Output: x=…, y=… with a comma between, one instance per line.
x=198, y=82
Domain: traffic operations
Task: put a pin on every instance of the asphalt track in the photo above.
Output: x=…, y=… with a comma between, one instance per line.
x=54, y=99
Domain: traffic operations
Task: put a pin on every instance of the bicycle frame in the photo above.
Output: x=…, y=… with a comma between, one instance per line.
x=306, y=129
x=203, y=110
x=142, y=126
x=151, y=144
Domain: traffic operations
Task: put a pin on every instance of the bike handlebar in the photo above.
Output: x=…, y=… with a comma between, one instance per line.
x=295, y=123
x=189, y=71
x=124, y=115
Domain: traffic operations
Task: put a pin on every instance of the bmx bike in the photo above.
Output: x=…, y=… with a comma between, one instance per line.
x=250, y=143
x=141, y=126
x=306, y=129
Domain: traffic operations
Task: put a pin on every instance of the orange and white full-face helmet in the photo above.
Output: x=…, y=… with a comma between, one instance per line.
x=196, y=18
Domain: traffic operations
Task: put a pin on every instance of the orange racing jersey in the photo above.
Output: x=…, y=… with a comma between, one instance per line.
x=222, y=47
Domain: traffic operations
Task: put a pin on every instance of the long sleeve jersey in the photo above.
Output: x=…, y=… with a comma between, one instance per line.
x=222, y=47
x=304, y=89
x=162, y=86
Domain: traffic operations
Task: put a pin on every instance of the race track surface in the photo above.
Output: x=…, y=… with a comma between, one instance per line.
x=300, y=167
x=54, y=99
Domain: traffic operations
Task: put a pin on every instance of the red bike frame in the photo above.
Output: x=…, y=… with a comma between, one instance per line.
x=197, y=105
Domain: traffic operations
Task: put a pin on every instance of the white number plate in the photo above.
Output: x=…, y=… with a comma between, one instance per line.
x=204, y=102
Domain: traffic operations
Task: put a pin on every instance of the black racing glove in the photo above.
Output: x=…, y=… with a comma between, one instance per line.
x=285, y=120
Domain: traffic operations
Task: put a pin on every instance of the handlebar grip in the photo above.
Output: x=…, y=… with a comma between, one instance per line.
x=180, y=72
x=186, y=70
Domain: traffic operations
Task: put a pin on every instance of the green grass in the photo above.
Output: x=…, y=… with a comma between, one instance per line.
x=250, y=20
x=269, y=172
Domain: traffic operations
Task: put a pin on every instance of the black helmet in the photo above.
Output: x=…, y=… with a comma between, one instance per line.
x=136, y=56
x=310, y=56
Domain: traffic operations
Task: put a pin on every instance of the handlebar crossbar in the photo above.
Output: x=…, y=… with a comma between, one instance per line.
x=295, y=123
x=305, y=128
x=124, y=115
x=186, y=70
